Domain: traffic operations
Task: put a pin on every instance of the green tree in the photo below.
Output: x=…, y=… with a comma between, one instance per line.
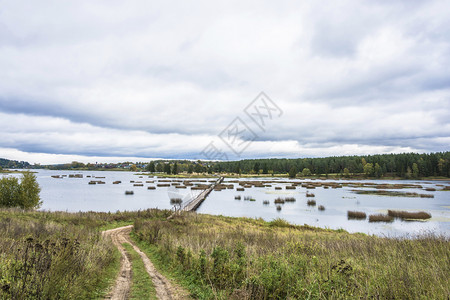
x=441, y=166
x=415, y=170
x=346, y=173
x=256, y=167
x=160, y=167
x=377, y=170
x=306, y=172
x=293, y=172
x=29, y=191
x=151, y=167
x=167, y=168
x=408, y=172
x=363, y=161
x=237, y=169
x=198, y=168
x=175, y=169
x=24, y=194
x=9, y=192
x=368, y=169
x=77, y=165
x=190, y=169
x=265, y=169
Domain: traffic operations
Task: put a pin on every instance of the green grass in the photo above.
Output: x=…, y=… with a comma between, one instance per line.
x=215, y=257
x=115, y=224
x=109, y=278
x=60, y=255
x=44, y=259
x=224, y=258
x=164, y=266
x=141, y=285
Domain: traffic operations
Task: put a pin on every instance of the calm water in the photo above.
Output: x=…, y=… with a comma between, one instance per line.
x=75, y=194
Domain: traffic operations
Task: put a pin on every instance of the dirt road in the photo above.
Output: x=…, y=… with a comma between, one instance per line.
x=121, y=290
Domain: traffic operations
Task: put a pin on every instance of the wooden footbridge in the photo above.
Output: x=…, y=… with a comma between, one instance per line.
x=197, y=201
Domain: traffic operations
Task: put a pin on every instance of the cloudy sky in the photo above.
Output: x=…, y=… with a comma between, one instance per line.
x=114, y=80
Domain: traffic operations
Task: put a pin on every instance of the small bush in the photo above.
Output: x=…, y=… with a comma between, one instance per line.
x=421, y=215
x=311, y=202
x=380, y=218
x=357, y=215
x=278, y=222
x=279, y=200
x=174, y=201
x=23, y=194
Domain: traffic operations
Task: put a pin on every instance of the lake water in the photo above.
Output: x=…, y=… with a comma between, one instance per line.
x=75, y=194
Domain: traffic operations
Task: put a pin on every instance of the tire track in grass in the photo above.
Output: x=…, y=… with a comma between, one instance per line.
x=141, y=284
x=121, y=290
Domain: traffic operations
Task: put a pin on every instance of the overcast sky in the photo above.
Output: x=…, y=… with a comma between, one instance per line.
x=116, y=80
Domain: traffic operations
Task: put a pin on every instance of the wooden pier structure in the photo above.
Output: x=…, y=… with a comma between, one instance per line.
x=197, y=201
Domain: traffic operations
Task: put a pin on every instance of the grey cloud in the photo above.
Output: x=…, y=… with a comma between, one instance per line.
x=348, y=73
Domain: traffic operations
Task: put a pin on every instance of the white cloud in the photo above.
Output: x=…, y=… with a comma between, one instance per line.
x=131, y=79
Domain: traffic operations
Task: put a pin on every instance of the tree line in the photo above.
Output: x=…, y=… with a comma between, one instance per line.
x=13, y=164
x=405, y=165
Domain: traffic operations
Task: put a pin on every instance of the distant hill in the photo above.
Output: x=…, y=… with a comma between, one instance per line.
x=13, y=164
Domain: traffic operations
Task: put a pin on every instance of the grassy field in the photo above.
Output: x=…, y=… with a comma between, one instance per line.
x=240, y=258
x=60, y=255
x=44, y=259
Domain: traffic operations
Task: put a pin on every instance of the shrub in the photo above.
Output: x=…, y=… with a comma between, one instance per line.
x=23, y=194
x=47, y=260
x=174, y=201
x=311, y=202
x=421, y=215
x=357, y=215
x=278, y=222
x=380, y=218
x=279, y=200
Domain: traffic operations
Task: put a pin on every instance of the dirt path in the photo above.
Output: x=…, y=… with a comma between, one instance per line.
x=164, y=288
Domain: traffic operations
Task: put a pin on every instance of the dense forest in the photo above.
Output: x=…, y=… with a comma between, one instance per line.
x=405, y=165
x=13, y=164
x=408, y=165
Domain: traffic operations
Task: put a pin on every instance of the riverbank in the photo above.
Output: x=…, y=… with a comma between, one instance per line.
x=218, y=257
x=241, y=258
